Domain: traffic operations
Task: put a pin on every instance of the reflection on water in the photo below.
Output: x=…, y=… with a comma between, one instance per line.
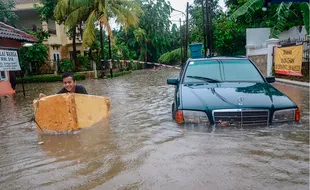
x=142, y=148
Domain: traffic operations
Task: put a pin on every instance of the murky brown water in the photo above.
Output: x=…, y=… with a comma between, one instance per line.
x=142, y=148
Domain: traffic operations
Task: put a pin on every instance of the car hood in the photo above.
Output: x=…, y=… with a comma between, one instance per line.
x=232, y=95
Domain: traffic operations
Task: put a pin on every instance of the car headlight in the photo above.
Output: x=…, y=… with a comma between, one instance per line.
x=186, y=116
x=286, y=115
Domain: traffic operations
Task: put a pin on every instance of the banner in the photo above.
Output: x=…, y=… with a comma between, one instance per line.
x=288, y=60
x=9, y=60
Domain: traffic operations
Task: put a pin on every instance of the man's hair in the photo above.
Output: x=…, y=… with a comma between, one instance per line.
x=68, y=74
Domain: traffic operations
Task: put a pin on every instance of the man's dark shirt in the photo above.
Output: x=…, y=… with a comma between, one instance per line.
x=78, y=89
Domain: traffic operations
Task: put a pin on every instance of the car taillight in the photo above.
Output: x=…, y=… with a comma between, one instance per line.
x=297, y=115
x=179, y=116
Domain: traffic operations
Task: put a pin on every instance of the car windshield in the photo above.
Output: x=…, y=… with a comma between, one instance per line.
x=214, y=71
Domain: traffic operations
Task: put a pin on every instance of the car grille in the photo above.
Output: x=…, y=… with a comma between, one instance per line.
x=241, y=117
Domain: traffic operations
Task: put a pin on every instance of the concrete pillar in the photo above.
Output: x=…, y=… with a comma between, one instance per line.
x=95, y=67
x=45, y=26
x=270, y=44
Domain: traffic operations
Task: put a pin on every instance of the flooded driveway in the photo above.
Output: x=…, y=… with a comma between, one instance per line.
x=142, y=148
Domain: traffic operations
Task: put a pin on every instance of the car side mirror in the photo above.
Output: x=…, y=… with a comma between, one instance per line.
x=271, y=79
x=173, y=81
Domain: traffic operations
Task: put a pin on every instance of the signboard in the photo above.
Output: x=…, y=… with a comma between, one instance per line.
x=9, y=60
x=288, y=60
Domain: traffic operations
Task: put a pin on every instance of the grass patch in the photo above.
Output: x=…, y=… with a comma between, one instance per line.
x=46, y=78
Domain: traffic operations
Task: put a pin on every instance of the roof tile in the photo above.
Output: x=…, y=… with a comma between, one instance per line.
x=10, y=32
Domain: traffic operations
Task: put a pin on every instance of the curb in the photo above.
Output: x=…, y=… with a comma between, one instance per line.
x=304, y=84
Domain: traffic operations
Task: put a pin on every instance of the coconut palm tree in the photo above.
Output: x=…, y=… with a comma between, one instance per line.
x=72, y=12
x=125, y=12
x=281, y=15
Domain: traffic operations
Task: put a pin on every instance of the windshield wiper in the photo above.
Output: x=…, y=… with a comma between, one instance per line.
x=204, y=79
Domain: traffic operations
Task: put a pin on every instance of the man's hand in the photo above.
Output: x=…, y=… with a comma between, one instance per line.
x=41, y=95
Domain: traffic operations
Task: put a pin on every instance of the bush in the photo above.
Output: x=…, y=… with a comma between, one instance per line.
x=66, y=65
x=171, y=57
x=84, y=63
x=46, y=78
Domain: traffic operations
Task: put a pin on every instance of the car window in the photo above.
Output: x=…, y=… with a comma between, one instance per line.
x=222, y=71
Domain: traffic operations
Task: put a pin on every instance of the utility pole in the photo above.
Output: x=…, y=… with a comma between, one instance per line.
x=181, y=42
x=204, y=28
x=186, y=37
x=110, y=57
x=209, y=26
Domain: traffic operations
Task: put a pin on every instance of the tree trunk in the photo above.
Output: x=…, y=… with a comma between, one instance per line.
x=74, y=54
x=102, y=52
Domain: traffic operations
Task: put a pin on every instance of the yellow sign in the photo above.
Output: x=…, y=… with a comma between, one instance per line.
x=288, y=60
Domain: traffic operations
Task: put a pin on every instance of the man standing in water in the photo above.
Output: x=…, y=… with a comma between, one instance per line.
x=69, y=85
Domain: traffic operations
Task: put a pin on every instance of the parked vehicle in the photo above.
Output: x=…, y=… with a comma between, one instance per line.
x=228, y=91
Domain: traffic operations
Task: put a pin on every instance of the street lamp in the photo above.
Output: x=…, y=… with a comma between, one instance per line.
x=178, y=11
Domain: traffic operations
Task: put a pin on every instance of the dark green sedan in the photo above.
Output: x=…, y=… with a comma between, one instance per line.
x=228, y=91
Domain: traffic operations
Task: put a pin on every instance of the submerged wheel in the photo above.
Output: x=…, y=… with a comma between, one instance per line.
x=173, y=111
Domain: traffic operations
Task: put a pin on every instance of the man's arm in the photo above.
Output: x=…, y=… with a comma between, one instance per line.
x=84, y=90
x=41, y=95
x=62, y=91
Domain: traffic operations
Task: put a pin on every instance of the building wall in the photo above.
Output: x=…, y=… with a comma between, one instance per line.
x=28, y=18
x=4, y=42
x=5, y=85
x=293, y=33
x=261, y=62
x=257, y=36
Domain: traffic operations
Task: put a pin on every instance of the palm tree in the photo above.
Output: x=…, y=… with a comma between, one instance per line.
x=281, y=15
x=71, y=13
x=126, y=13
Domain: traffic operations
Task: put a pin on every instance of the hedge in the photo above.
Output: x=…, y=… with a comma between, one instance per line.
x=117, y=74
x=46, y=78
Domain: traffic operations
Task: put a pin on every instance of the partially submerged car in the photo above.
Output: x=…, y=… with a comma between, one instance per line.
x=228, y=91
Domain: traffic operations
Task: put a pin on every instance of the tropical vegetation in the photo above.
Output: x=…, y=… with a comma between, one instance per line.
x=146, y=33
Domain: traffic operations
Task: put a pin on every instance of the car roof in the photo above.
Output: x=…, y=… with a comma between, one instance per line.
x=217, y=57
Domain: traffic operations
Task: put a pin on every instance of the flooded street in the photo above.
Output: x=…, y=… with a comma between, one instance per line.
x=143, y=148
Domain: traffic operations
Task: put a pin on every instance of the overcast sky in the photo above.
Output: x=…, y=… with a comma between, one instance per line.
x=181, y=5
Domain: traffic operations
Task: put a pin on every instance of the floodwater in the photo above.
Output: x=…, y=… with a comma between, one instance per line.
x=143, y=148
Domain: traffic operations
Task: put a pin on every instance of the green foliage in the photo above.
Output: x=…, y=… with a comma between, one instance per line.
x=305, y=9
x=40, y=34
x=34, y=54
x=229, y=37
x=281, y=14
x=6, y=14
x=156, y=24
x=278, y=16
x=46, y=9
x=171, y=57
x=66, y=65
x=47, y=78
x=83, y=63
